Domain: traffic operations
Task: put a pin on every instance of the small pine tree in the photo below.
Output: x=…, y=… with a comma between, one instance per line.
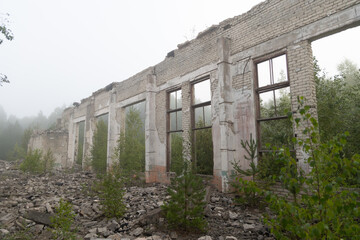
x=185, y=208
x=63, y=221
x=249, y=192
x=99, y=148
x=111, y=195
x=48, y=161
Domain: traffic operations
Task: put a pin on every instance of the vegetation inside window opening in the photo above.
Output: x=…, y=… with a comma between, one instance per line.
x=176, y=152
x=131, y=145
x=203, y=146
x=99, y=148
x=275, y=128
x=175, y=132
x=81, y=138
x=338, y=104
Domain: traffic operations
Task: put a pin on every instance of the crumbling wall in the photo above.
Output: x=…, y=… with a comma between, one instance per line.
x=56, y=142
x=226, y=54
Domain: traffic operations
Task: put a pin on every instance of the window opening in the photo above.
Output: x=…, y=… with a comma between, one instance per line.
x=274, y=101
x=203, y=146
x=175, y=141
x=131, y=145
x=81, y=140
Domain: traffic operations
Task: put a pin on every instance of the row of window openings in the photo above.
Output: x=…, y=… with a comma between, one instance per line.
x=202, y=141
x=273, y=102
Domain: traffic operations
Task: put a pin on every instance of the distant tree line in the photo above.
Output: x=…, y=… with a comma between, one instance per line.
x=16, y=132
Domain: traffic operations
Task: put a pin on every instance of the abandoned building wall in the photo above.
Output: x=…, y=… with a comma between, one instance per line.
x=228, y=55
x=56, y=142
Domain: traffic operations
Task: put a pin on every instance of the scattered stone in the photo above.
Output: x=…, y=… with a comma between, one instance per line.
x=173, y=235
x=230, y=238
x=248, y=227
x=4, y=232
x=28, y=201
x=137, y=232
x=39, y=217
x=205, y=238
x=233, y=215
x=90, y=236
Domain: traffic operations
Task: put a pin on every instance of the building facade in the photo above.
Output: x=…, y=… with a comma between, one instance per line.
x=231, y=81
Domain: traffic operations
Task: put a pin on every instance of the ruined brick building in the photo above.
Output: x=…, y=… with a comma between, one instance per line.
x=240, y=62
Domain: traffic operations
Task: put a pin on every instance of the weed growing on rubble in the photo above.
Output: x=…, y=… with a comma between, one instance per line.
x=63, y=220
x=185, y=208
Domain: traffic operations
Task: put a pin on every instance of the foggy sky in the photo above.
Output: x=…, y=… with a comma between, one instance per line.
x=64, y=50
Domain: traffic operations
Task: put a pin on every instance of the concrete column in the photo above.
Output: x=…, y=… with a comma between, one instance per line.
x=113, y=129
x=90, y=126
x=71, y=142
x=225, y=140
x=155, y=169
x=186, y=119
x=302, y=83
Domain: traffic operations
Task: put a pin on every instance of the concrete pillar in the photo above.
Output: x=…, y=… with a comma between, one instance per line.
x=225, y=140
x=186, y=119
x=155, y=168
x=90, y=126
x=302, y=83
x=113, y=129
x=71, y=141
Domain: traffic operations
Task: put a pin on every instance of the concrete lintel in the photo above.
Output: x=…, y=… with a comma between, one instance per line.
x=102, y=111
x=177, y=81
x=223, y=62
x=79, y=119
x=138, y=98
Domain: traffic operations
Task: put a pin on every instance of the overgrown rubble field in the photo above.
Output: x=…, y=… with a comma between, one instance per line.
x=28, y=201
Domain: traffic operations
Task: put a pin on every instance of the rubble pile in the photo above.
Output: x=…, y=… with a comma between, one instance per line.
x=27, y=203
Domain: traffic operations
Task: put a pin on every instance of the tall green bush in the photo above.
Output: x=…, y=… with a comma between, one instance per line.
x=322, y=207
x=99, y=148
x=131, y=145
x=185, y=207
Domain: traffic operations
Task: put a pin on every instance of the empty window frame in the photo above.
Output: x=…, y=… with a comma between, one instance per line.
x=274, y=101
x=175, y=143
x=203, y=146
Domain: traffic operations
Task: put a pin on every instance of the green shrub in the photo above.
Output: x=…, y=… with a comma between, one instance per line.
x=321, y=208
x=32, y=162
x=63, y=221
x=48, y=161
x=111, y=195
x=36, y=162
x=185, y=208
